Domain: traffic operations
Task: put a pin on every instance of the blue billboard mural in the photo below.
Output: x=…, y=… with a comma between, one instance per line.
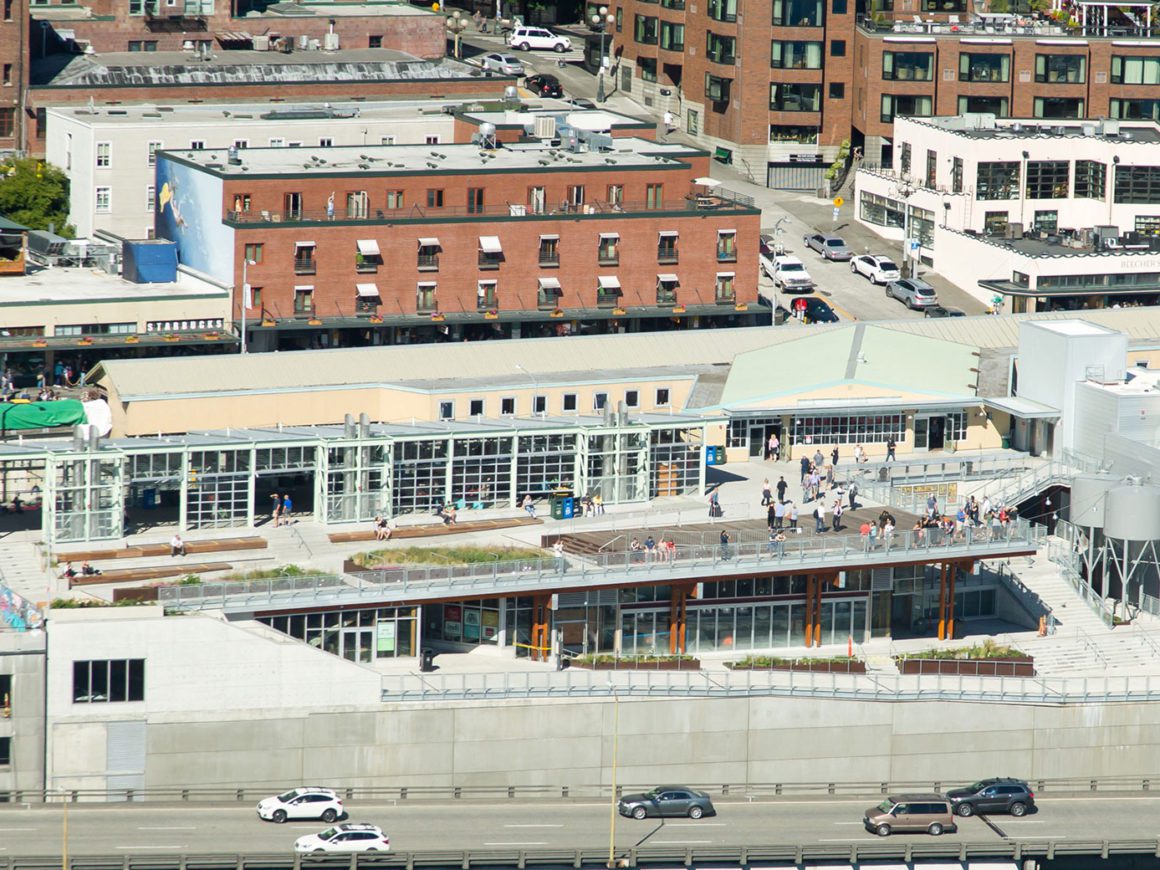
x=189, y=213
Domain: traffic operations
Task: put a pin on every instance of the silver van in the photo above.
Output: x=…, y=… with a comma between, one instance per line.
x=911, y=812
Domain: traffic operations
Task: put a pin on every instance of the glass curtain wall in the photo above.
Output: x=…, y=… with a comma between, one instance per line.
x=218, y=494
x=88, y=502
x=356, y=482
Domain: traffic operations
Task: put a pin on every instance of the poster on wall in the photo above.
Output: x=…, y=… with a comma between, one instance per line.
x=471, y=625
x=452, y=628
x=490, y=624
x=386, y=636
x=189, y=214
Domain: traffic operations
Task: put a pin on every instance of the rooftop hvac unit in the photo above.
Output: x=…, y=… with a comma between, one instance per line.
x=545, y=127
x=330, y=41
x=262, y=42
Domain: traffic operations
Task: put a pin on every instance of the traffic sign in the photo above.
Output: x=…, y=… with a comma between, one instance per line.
x=839, y=202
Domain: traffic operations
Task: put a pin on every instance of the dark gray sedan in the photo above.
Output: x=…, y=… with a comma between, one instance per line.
x=667, y=800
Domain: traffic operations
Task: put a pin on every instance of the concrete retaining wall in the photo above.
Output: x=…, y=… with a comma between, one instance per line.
x=697, y=740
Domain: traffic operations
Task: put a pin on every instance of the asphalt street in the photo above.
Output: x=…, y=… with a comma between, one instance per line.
x=119, y=829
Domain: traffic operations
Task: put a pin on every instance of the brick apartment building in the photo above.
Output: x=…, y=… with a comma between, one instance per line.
x=194, y=50
x=386, y=244
x=776, y=88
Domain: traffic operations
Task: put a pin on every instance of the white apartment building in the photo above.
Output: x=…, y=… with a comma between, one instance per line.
x=1045, y=216
x=108, y=151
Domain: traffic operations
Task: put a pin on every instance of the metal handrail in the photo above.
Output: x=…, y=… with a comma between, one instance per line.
x=686, y=562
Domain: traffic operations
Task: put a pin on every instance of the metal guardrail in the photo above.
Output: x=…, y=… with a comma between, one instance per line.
x=1060, y=550
x=749, y=791
x=521, y=576
x=579, y=683
x=684, y=856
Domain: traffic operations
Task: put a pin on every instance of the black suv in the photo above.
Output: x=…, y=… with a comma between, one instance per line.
x=999, y=795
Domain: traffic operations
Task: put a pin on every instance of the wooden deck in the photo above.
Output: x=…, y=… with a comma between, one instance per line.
x=435, y=530
x=215, y=545
x=179, y=568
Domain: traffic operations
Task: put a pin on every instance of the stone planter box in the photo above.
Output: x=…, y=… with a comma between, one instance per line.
x=851, y=667
x=630, y=665
x=1020, y=667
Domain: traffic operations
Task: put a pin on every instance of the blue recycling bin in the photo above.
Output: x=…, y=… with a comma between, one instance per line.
x=712, y=456
x=568, y=508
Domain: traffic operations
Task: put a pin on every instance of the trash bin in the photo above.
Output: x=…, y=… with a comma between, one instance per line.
x=567, y=507
x=557, y=502
x=427, y=661
x=712, y=456
x=1006, y=442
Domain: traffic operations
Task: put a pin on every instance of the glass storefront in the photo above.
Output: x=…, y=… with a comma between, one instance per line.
x=356, y=635
x=469, y=622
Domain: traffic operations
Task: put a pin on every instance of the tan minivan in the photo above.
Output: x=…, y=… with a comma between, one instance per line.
x=911, y=812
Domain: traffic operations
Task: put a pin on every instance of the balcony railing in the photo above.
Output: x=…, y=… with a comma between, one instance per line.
x=305, y=267
x=719, y=200
x=428, y=262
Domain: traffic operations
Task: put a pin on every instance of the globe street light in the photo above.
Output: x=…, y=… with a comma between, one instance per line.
x=602, y=19
x=455, y=26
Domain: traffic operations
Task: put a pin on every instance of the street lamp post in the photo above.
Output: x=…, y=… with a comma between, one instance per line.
x=905, y=189
x=246, y=263
x=612, y=813
x=456, y=24
x=602, y=19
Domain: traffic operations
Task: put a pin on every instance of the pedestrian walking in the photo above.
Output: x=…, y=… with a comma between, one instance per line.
x=805, y=466
x=774, y=447
x=714, y=503
x=766, y=494
x=853, y=496
x=275, y=509
x=781, y=488
x=820, y=517
x=837, y=514
x=793, y=515
x=287, y=508
x=891, y=446
x=558, y=554
x=859, y=454
x=778, y=514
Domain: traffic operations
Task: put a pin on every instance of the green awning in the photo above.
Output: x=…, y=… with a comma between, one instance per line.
x=41, y=415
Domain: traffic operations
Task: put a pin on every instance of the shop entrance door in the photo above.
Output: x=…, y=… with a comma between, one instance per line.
x=358, y=644
x=930, y=433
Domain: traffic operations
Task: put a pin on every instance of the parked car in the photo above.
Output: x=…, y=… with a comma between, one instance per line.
x=308, y=802
x=345, y=838
x=544, y=85
x=528, y=38
x=667, y=800
x=508, y=64
x=765, y=254
x=831, y=247
x=878, y=269
x=996, y=795
x=941, y=311
x=817, y=311
x=910, y=812
x=914, y=292
x=790, y=274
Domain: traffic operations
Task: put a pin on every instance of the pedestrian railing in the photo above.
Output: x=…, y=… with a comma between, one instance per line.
x=1062, y=550
x=797, y=553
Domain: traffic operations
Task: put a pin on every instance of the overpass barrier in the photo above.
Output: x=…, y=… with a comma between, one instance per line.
x=653, y=856
x=743, y=791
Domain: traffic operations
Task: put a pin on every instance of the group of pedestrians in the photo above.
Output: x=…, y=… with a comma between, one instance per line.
x=651, y=551
x=281, y=509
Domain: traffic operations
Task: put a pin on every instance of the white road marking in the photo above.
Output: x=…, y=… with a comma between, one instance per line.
x=676, y=842
x=533, y=826
x=859, y=824
x=1044, y=837
x=844, y=840
x=168, y=828
x=516, y=844
x=695, y=825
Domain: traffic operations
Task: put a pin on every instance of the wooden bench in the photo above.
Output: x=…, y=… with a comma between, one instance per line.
x=434, y=530
x=132, y=575
x=216, y=545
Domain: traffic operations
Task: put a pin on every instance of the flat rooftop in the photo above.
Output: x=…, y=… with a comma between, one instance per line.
x=629, y=152
x=269, y=15
x=152, y=69
x=482, y=111
x=66, y=286
x=987, y=126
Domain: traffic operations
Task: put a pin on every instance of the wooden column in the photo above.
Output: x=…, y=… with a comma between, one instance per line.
x=541, y=616
x=942, y=601
x=676, y=599
x=952, y=571
x=683, y=617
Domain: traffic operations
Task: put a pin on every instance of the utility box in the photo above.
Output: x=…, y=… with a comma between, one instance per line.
x=149, y=261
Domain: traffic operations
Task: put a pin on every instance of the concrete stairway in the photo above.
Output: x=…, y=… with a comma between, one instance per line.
x=20, y=570
x=1046, y=579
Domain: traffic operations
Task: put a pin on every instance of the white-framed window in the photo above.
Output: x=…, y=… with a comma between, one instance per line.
x=599, y=401
x=197, y=145
x=568, y=403
x=241, y=143
x=150, y=197
x=475, y=407
x=151, y=150
x=104, y=200
x=386, y=140
x=276, y=142
x=447, y=410
x=539, y=404
x=663, y=397
x=632, y=398
x=433, y=139
x=507, y=406
x=104, y=155
x=325, y=142
x=294, y=143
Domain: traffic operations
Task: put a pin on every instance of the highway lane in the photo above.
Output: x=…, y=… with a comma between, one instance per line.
x=229, y=829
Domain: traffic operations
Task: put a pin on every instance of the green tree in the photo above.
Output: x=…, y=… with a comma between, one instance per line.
x=35, y=194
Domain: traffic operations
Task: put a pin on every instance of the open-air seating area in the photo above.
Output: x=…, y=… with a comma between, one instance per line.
x=161, y=548
x=157, y=572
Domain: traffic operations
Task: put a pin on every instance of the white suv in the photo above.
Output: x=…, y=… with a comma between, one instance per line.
x=302, y=803
x=345, y=838
x=527, y=38
x=789, y=273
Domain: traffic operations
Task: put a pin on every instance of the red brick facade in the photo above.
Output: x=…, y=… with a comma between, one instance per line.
x=14, y=60
x=576, y=262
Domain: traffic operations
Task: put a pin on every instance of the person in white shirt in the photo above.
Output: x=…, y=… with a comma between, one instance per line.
x=820, y=516
x=176, y=546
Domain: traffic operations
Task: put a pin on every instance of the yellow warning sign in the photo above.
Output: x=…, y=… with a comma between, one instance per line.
x=839, y=202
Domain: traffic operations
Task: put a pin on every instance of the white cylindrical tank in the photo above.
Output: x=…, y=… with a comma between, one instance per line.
x=1089, y=498
x=1132, y=512
x=487, y=130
